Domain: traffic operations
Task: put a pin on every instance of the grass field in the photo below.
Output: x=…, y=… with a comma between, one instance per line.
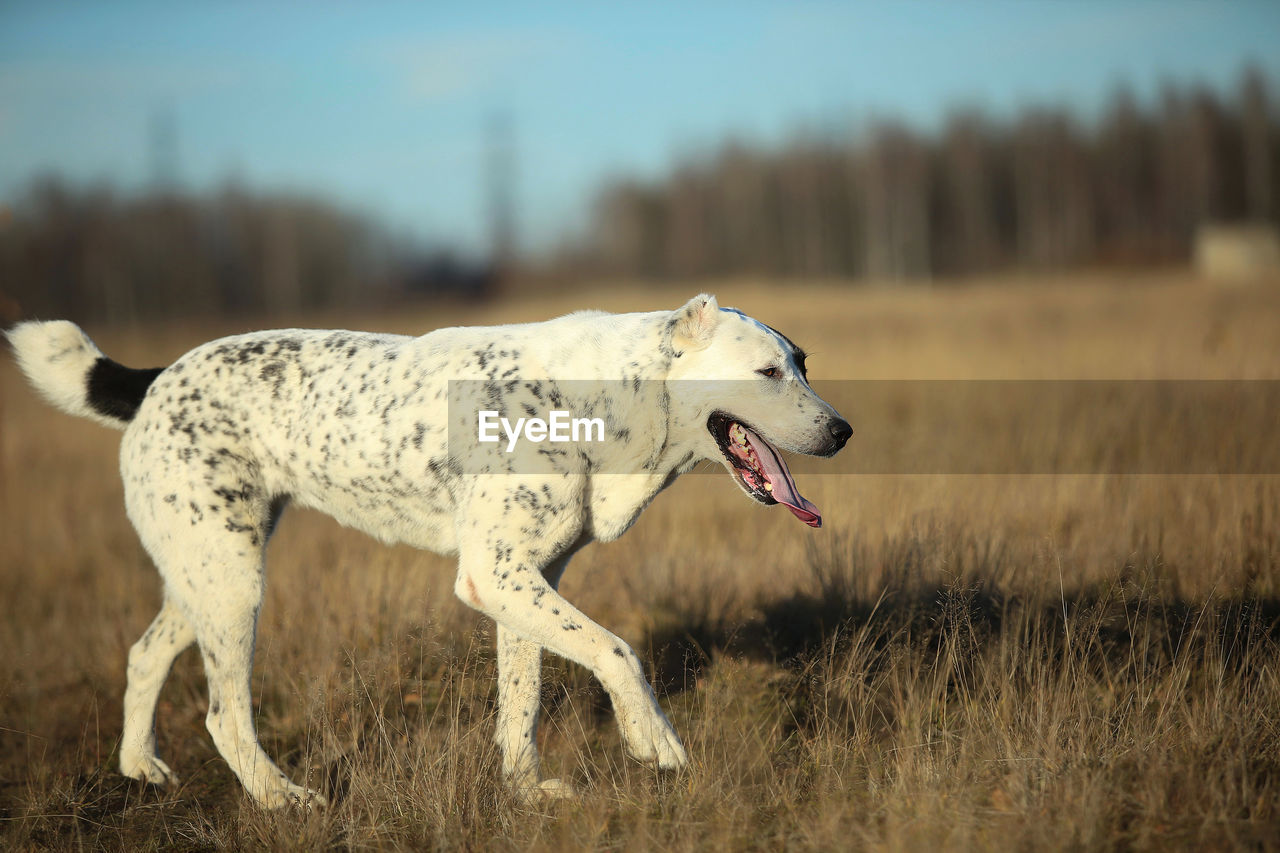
x=965, y=662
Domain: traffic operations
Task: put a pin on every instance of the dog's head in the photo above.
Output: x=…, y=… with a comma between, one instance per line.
x=741, y=388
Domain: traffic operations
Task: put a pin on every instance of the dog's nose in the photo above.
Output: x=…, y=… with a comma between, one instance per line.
x=840, y=431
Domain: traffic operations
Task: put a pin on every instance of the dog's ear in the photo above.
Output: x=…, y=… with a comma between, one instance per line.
x=694, y=323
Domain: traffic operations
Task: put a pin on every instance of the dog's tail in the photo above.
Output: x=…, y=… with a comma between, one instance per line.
x=73, y=374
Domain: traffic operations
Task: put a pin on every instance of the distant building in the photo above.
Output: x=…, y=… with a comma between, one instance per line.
x=1237, y=252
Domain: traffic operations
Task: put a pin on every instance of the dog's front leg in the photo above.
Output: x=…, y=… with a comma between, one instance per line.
x=520, y=703
x=528, y=608
x=502, y=553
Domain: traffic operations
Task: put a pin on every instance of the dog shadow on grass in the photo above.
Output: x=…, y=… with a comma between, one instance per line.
x=902, y=601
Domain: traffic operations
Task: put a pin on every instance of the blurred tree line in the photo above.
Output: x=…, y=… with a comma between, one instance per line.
x=92, y=254
x=1043, y=191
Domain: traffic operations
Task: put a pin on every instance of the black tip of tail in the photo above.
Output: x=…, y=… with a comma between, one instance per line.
x=116, y=391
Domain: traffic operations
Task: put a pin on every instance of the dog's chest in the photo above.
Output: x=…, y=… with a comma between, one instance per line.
x=615, y=501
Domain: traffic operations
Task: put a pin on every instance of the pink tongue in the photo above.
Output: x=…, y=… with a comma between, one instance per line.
x=784, y=488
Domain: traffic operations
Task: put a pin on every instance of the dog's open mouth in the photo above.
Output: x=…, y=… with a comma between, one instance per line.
x=759, y=468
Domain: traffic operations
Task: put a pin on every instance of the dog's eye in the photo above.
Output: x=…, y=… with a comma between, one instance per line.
x=771, y=372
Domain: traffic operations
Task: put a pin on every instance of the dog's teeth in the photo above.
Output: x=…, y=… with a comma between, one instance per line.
x=768, y=487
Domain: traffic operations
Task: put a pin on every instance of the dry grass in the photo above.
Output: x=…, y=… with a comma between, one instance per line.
x=965, y=662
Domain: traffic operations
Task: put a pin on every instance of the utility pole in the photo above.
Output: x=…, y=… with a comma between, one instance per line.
x=500, y=177
x=163, y=142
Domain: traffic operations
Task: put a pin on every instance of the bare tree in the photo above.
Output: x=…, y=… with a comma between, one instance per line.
x=1255, y=127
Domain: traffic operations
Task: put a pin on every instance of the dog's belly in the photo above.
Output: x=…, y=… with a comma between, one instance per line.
x=416, y=520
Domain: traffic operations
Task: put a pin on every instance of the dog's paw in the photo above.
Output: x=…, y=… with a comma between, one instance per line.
x=535, y=794
x=557, y=789
x=650, y=738
x=147, y=768
x=293, y=796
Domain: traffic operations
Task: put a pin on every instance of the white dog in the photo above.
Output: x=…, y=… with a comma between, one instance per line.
x=362, y=427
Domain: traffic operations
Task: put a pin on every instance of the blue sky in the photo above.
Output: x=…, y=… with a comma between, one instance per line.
x=383, y=106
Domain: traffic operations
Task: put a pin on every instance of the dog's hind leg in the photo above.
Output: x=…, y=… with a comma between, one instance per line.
x=149, y=662
x=226, y=628
x=207, y=536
